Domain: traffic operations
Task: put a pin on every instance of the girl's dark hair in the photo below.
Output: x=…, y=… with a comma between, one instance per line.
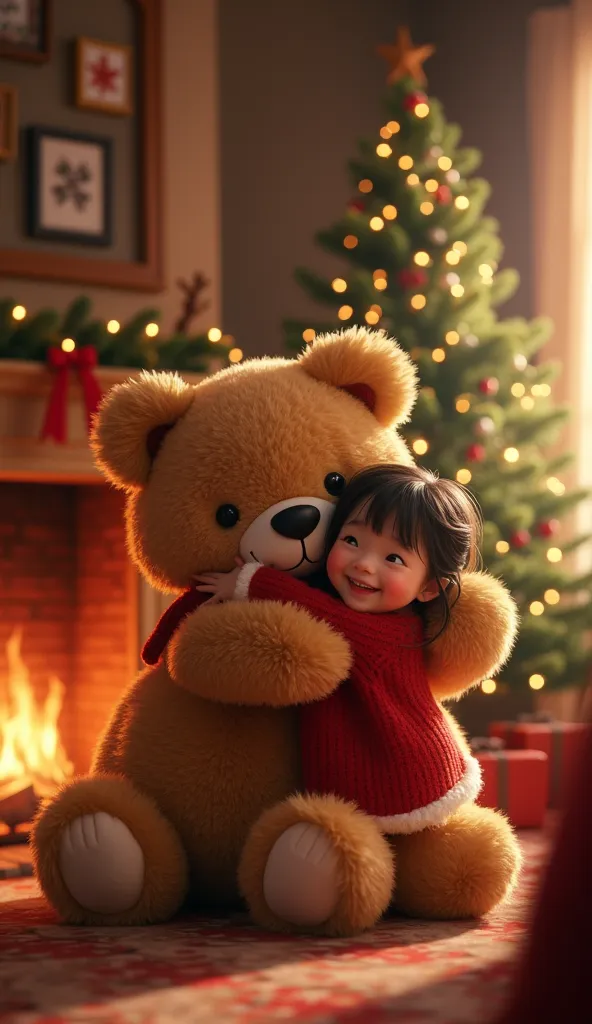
x=440, y=515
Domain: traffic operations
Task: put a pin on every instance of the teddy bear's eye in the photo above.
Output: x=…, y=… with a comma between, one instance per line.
x=334, y=483
x=227, y=516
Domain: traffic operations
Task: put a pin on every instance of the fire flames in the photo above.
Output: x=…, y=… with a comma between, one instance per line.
x=30, y=745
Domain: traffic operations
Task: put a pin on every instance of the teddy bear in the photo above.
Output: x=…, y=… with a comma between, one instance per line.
x=194, y=797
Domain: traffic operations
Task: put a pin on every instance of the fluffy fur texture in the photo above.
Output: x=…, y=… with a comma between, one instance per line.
x=201, y=764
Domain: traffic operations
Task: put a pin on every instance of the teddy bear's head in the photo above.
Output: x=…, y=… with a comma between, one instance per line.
x=252, y=459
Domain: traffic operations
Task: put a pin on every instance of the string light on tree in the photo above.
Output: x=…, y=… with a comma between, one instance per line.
x=461, y=247
x=452, y=337
x=309, y=335
x=412, y=179
x=511, y=454
x=452, y=257
x=457, y=290
x=113, y=326
x=19, y=312
x=502, y=547
x=484, y=426
x=431, y=185
x=464, y=476
x=68, y=345
x=389, y=211
x=152, y=329
x=383, y=149
x=338, y=284
x=365, y=185
x=444, y=163
x=426, y=208
x=350, y=241
x=552, y=596
x=463, y=404
x=422, y=258
x=376, y=223
x=554, y=554
x=489, y=686
x=556, y=486
x=536, y=681
x=385, y=132
x=462, y=203
x=405, y=162
x=536, y=608
x=420, y=446
x=373, y=315
x=418, y=301
x=517, y=390
x=345, y=312
x=527, y=403
x=235, y=355
x=438, y=355
x=520, y=362
x=393, y=127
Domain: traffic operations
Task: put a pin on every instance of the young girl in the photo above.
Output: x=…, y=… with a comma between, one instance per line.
x=400, y=537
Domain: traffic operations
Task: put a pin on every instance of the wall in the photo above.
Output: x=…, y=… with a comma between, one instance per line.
x=191, y=213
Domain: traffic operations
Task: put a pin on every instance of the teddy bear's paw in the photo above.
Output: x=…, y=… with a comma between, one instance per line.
x=101, y=863
x=300, y=883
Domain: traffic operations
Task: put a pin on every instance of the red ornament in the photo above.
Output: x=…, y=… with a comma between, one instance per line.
x=476, y=453
x=357, y=205
x=443, y=195
x=413, y=99
x=412, y=278
x=489, y=386
x=547, y=528
x=520, y=538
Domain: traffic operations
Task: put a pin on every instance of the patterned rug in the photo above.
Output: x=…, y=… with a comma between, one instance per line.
x=214, y=971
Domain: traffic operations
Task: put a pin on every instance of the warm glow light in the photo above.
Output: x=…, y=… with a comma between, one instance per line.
x=68, y=345
x=405, y=163
x=444, y=163
x=421, y=110
x=378, y=273
x=380, y=283
x=431, y=185
x=485, y=270
x=113, y=326
x=19, y=313
x=421, y=258
x=338, y=284
x=502, y=547
x=393, y=127
x=452, y=337
x=464, y=476
x=413, y=178
x=420, y=446
x=376, y=223
x=461, y=203
x=385, y=132
x=30, y=745
x=344, y=312
x=536, y=681
x=151, y=330
x=536, y=608
x=426, y=208
x=554, y=554
x=350, y=241
x=438, y=355
x=555, y=486
x=460, y=247
x=214, y=334
x=457, y=290
x=365, y=185
x=235, y=355
x=552, y=596
x=383, y=149
x=511, y=454
x=389, y=211
x=372, y=317
x=544, y=390
x=463, y=405
x=527, y=403
x=518, y=390
x=489, y=686
x=309, y=335
x=452, y=257
x=418, y=301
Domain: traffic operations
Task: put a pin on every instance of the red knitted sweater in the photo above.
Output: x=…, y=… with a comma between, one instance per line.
x=380, y=739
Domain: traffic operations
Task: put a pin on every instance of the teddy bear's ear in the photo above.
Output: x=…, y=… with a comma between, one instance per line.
x=368, y=365
x=132, y=422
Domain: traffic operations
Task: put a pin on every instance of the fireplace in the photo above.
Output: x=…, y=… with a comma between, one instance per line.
x=74, y=611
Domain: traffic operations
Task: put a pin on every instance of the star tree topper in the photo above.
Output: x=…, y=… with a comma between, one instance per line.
x=404, y=58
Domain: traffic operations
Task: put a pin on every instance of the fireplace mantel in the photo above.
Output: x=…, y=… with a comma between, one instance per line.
x=25, y=388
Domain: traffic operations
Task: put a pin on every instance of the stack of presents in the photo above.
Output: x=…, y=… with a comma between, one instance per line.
x=527, y=766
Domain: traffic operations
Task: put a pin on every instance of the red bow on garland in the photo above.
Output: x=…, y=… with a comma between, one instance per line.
x=82, y=360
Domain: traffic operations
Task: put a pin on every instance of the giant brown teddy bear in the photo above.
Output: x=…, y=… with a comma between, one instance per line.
x=194, y=794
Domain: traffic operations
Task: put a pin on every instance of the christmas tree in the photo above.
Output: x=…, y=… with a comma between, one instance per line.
x=422, y=263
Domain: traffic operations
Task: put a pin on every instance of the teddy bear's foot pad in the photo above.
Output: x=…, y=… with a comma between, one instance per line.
x=101, y=863
x=300, y=881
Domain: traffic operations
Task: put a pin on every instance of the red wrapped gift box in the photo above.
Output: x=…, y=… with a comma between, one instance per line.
x=516, y=782
x=560, y=741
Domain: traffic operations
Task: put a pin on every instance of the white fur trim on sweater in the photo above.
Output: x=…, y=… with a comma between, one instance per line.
x=465, y=790
x=243, y=580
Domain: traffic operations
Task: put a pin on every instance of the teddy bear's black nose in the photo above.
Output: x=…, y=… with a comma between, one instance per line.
x=297, y=522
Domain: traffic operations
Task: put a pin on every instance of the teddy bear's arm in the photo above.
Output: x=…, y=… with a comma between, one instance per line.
x=477, y=640
x=262, y=653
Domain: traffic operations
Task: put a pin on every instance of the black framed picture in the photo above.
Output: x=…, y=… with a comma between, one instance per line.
x=69, y=189
x=25, y=29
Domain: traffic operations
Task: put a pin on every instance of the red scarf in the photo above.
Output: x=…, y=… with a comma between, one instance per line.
x=169, y=623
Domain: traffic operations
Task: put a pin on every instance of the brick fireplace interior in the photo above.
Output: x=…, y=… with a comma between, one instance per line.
x=66, y=582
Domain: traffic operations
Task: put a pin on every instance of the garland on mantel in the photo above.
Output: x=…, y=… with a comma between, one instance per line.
x=138, y=344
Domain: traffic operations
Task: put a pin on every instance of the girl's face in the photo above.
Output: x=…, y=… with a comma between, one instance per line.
x=373, y=572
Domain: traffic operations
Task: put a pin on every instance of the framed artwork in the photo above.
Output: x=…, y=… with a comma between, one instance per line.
x=103, y=76
x=8, y=122
x=69, y=186
x=25, y=29
x=144, y=270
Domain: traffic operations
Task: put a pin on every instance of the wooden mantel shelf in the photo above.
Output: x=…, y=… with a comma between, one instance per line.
x=25, y=388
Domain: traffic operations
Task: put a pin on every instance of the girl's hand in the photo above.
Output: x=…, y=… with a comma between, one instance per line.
x=221, y=585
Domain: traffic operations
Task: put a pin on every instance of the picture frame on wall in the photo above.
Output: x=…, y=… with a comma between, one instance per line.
x=103, y=76
x=8, y=122
x=69, y=186
x=25, y=29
